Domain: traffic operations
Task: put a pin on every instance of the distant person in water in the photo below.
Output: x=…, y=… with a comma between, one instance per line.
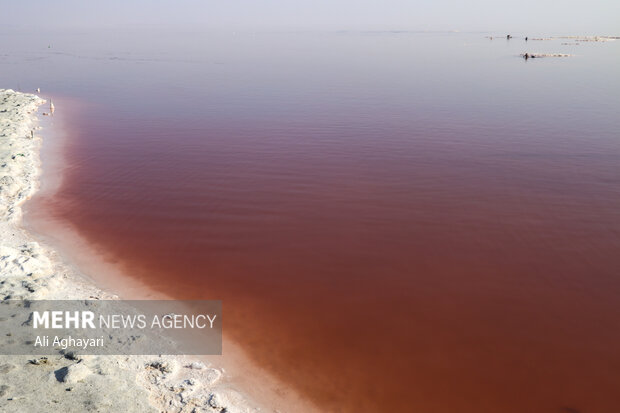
x=526, y=38
x=508, y=36
x=526, y=56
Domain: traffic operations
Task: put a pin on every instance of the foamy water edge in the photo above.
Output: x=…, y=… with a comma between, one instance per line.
x=30, y=270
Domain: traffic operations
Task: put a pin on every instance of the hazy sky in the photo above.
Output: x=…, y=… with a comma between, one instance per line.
x=562, y=16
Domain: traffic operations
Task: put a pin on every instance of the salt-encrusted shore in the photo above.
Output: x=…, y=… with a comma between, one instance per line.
x=30, y=270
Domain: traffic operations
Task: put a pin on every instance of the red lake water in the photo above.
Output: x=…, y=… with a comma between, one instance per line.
x=394, y=221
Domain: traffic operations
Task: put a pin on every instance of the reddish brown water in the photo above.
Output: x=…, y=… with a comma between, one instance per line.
x=386, y=234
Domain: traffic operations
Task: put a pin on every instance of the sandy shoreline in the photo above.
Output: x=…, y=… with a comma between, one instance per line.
x=33, y=270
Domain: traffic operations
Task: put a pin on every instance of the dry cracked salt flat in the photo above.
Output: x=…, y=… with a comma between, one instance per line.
x=29, y=271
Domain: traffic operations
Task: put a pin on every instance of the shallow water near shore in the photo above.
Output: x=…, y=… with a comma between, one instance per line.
x=394, y=221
